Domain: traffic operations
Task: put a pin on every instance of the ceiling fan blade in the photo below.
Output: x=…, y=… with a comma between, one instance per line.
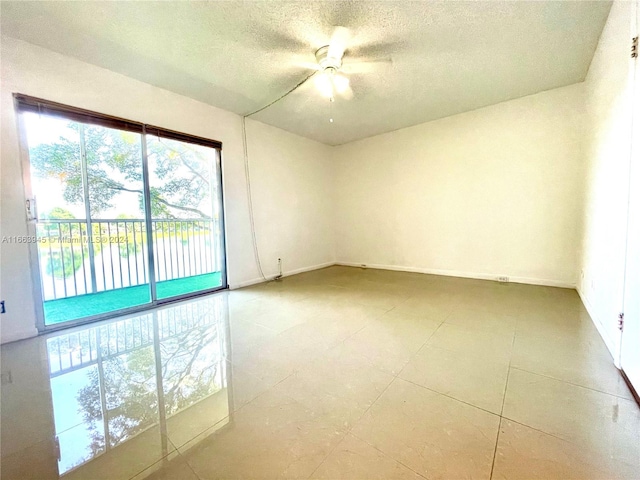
x=375, y=49
x=338, y=43
x=309, y=66
x=365, y=66
x=270, y=39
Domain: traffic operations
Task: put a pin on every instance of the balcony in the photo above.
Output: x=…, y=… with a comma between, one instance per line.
x=84, y=275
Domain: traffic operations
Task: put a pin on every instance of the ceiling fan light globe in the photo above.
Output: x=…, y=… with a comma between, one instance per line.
x=324, y=85
x=340, y=83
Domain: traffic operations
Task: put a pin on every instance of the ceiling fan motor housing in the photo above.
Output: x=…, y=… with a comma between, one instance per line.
x=325, y=61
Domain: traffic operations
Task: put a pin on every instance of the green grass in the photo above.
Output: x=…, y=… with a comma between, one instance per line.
x=73, y=308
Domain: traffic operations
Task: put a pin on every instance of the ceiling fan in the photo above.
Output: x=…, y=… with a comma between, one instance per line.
x=330, y=78
x=330, y=70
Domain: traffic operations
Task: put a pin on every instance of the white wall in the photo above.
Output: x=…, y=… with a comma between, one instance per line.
x=289, y=173
x=294, y=200
x=607, y=153
x=492, y=192
x=498, y=191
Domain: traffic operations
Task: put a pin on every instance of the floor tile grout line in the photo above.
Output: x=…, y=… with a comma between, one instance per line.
x=412, y=357
x=536, y=429
x=352, y=427
x=571, y=383
x=228, y=420
x=504, y=396
x=190, y=467
x=495, y=448
x=340, y=342
x=184, y=455
x=160, y=459
x=387, y=455
x=397, y=376
x=264, y=392
x=450, y=397
x=506, y=383
x=350, y=430
x=296, y=371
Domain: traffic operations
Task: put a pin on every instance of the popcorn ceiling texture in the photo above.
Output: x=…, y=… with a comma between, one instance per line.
x=448, y=57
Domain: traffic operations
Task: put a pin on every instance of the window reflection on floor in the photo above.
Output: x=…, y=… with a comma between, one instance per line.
x=113, y=382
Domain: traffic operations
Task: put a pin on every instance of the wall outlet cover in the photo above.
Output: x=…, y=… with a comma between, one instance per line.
x=5, y=378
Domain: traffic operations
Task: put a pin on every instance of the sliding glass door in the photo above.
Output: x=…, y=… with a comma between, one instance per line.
x=121, y=218
x=185, y=216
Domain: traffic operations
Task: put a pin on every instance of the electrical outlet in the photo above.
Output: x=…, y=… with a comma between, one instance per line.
x=5, y=378
x=503, y=279
x=279, y=275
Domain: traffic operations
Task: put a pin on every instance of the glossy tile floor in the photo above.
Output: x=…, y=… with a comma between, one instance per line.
x=338, y=373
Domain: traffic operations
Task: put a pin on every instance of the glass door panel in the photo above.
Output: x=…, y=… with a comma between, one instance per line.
x=91, y=240
x=185, y=217
x=116, y=211
x=54, y=151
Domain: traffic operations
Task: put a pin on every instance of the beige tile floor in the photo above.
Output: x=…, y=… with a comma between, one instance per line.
x=338, y=373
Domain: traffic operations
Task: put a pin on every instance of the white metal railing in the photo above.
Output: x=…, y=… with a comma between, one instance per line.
x=115, y=255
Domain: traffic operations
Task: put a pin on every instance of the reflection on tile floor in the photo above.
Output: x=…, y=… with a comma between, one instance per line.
x=338, y=373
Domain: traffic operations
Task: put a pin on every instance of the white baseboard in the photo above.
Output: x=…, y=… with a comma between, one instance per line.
x=611, y=346
x=455, y=273
x=428, y=271
x=246, y=283
x=15, y=336
x=288, y=273
x=308, y=269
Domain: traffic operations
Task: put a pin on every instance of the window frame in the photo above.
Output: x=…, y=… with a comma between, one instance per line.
x=25, y=103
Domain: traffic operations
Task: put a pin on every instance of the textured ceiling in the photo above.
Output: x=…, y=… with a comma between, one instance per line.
x=447, y=57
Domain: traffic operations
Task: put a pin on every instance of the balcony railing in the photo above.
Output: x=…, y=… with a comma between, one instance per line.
x=78, y=349
x=115, y=255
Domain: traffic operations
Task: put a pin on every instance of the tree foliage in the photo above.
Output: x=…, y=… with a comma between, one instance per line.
x=114, y=165
x=68, y=251
x=59, y=213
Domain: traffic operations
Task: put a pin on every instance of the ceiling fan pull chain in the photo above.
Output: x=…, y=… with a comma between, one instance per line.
x=331, y=100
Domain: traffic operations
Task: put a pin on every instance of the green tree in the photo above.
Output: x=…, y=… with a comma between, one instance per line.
x=58, y=213
x=114, y=166
x=134, y=239
x=65, y=256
